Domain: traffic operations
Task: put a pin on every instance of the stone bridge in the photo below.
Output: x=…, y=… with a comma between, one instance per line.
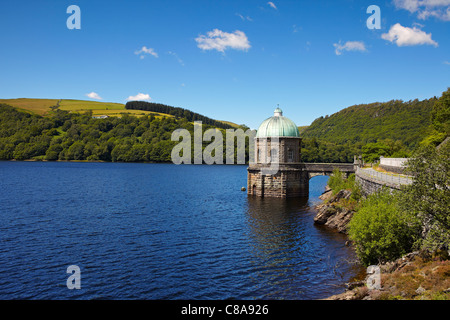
x=289, y=179
x=326, y=169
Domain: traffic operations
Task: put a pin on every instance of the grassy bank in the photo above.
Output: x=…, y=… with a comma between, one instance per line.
x=42, y=107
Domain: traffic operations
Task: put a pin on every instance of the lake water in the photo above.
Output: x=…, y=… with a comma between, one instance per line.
x=160, y=231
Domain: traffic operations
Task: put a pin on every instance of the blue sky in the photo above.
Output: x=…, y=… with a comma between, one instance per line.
x=230, y=59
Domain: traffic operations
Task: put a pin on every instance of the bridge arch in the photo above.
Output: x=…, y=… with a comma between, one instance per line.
x=291, y=179
x=317, y=174
x=326, y=169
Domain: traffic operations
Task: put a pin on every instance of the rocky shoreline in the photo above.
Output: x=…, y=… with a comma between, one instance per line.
x=415, y=276
x=331, y=213
x=335, y=216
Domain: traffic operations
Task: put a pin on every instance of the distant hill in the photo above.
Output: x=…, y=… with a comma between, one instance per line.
x=42, y=107
x=68, y=135
x=301, y=129
x=54, y=129
x=408, y=122
x=177, y=112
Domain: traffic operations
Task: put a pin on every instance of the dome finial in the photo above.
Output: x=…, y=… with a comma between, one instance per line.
x=278, y=112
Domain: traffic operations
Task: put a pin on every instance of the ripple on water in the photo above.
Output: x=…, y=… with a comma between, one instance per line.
x=159, y=231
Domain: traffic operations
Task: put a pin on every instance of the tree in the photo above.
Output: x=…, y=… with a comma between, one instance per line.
x=76, y=151
x=381, y=230
x=373, y=151
x=53, y=152
x=72, y=136
x=428, y=197
x=440, y=121
x=440, y=115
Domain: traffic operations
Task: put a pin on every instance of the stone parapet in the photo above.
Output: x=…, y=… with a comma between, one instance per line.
x=372, y=181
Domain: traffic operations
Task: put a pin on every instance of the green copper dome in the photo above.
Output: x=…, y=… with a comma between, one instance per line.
x=277, y=126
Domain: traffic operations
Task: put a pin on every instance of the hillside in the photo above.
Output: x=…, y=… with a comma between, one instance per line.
x=390, y=129
x=98, y=108
x=408, y=122
x=301, y=129
x=74, y=134
x=44, y=106
x=52, y=129
x=177, y=112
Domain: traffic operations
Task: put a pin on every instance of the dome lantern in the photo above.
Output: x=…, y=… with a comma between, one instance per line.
x=278, y=112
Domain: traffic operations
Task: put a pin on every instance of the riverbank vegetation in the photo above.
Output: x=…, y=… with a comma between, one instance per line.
x=406, y=232
x=415, y=221
x=389, y=224
x=338, y=182
x=417, y=217
x=380, y=230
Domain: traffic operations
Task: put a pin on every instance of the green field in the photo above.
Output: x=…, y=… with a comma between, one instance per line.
x=110, y=109
x=43, y=106
x=234, y=125
x=38, y=106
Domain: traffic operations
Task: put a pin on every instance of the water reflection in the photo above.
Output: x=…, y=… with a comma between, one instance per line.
x=292, y=256
x=274, y=223
x=165, y=232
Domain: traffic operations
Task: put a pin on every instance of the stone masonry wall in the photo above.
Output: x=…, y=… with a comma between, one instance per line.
x=369, y=186
x=393, y=164
x=284, y=184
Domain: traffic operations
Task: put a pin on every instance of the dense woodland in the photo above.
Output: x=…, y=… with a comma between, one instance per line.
x=71, y=136
x=393, y=128
x=397, y=120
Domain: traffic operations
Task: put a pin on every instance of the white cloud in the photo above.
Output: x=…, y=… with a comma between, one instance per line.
x=176, y=57
x=244, y=18
x=220, y=41
x=404, y=36
x=426, y=8
x=349, y=46
x=446, y=62
x=410, y=5
x=145, y=50
x=139, y=96
x=93, y=95
x=443, y=14
x=270, y=3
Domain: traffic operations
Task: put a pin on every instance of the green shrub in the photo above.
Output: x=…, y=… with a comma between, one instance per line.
x=337, y=182
x=428, y=197
x=380, y=230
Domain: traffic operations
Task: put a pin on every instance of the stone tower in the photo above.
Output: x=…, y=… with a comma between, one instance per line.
x=277, y=170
